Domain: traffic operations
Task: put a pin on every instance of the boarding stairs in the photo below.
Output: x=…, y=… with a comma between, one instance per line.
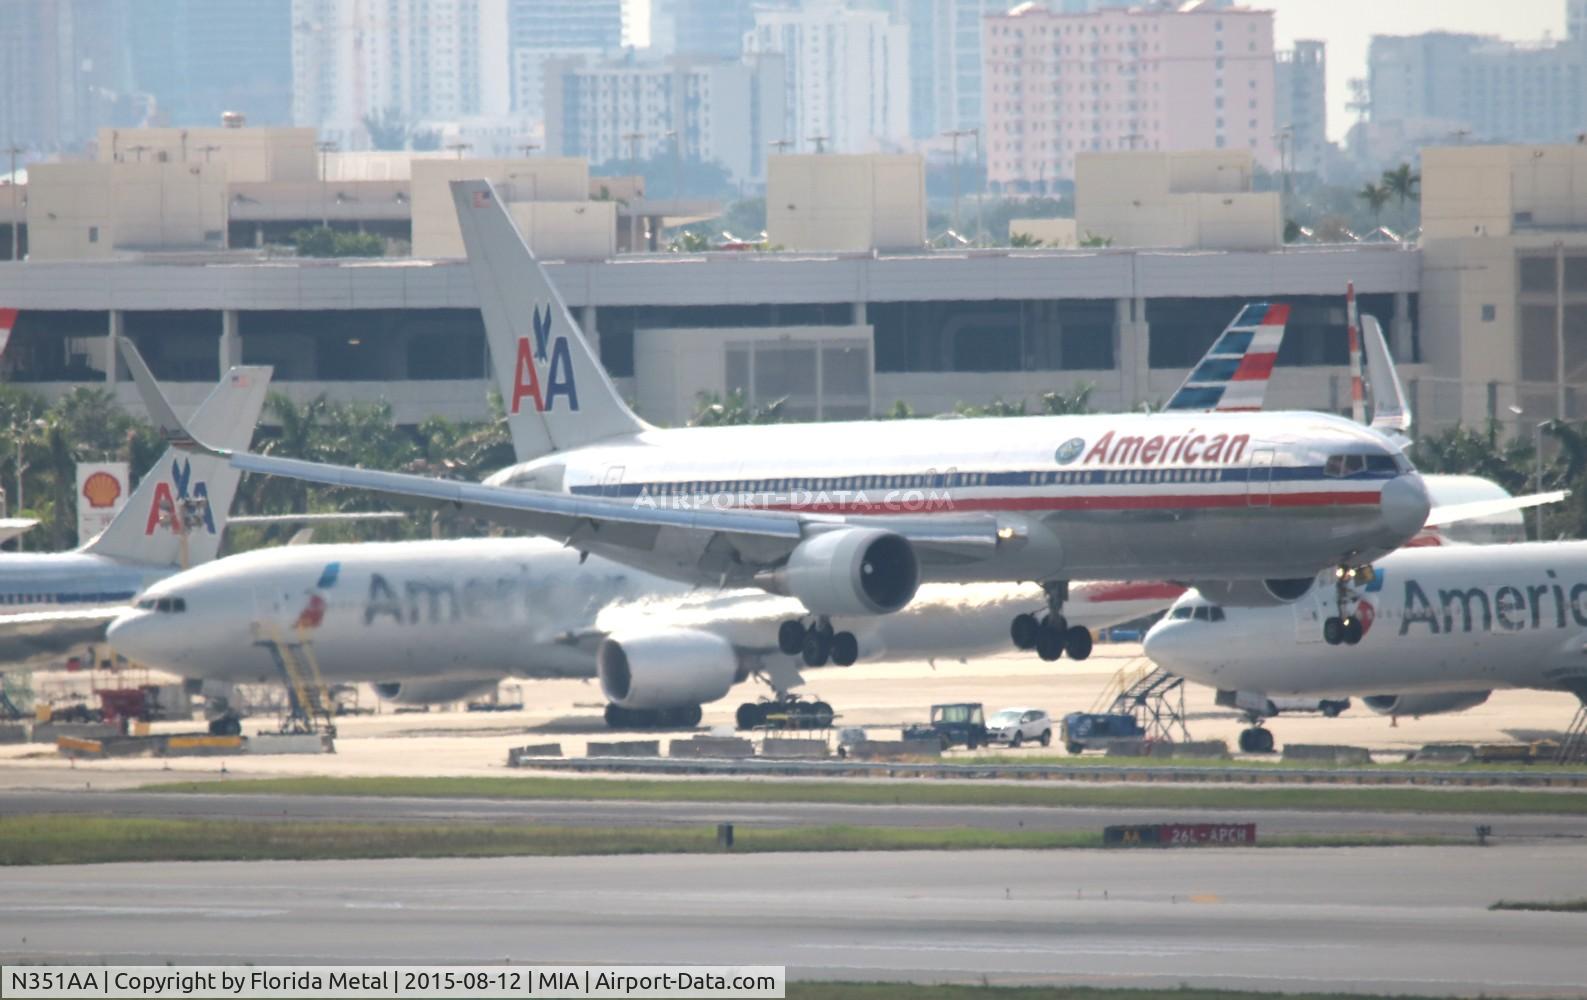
x=1153, y=695
x=311, y=709
x=1573, y=748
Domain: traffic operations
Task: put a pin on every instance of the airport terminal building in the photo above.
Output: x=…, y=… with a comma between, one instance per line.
x=848, y=315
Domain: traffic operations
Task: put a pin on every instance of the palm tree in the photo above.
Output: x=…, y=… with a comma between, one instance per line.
x=1402, y=183
x=1076, y=400
x=1376, y=196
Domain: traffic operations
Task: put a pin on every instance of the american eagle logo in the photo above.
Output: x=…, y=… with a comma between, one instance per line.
x=548, y=355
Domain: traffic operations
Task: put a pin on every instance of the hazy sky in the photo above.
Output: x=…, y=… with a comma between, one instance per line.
x=1348, y=25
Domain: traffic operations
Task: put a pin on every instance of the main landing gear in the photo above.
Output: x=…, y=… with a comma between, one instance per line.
x=1051, y=635
x=1345, y=628
x=1256, y=739
x=818, y=644
x=785, y=712
x=680, y=717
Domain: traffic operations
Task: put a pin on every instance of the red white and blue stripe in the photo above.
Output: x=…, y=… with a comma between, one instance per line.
x=1234, y=374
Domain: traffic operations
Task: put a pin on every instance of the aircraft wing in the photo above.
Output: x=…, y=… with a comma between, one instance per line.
x=1457, y=512
x=10, y=527
x=26, y=636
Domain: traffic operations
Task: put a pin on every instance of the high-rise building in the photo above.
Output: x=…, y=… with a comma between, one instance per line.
x=703, y=27
x=63, y=72
x=847, y=75
x=1300, y=93
x=716, y=110
x=539, y=30
x=945, y=63
x=1192, y=77
x=197, y=59
x=412, y=62
x=1481, y=88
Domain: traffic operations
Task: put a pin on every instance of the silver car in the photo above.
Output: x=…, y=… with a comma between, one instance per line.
x=1016, y=726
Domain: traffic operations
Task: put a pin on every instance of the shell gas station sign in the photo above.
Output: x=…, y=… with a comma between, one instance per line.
x=102, y=489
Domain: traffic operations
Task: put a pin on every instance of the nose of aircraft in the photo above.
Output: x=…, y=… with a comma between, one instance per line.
x=1405, y=506
x=1164, y=642
x=128, y=635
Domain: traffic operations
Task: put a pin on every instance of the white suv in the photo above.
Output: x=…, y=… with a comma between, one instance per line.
x=1017, y=725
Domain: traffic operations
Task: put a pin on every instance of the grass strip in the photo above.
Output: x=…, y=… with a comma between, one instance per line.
x=907, y=991
x=60, y=840
x=1046, y=758
x=1544, y=906
x=1485, y=801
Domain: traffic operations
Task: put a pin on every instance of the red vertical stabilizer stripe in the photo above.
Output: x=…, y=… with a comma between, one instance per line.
x=1277, y=315
x=1255, y=368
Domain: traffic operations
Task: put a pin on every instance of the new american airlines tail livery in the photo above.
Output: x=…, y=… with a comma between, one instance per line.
x=54, y=602
x=851, y=518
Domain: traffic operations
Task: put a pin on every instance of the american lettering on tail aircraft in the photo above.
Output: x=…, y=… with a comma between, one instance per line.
x=556, y=361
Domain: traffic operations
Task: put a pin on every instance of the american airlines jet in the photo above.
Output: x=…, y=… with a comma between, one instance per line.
x=850, y=518
x=407, y=616
x=53, y=602
x=1442, y=627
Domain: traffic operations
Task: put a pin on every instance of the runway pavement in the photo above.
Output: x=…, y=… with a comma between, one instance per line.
x=1384, y=920
x=636, y=813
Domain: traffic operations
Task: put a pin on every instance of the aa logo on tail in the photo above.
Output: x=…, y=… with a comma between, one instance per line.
x=546, y=355
x=170, y=508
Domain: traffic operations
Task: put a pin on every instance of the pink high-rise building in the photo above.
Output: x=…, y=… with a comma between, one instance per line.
x=1160, y=77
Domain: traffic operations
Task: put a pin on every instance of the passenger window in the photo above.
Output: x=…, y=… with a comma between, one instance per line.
x=1216, y=613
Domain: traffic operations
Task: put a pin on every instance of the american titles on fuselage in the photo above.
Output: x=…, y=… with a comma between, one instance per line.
x=1503, y=607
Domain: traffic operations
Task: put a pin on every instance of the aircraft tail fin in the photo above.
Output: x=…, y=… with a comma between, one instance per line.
x=557, y=394
x=178, y=513
x=1234, y=373
x=1390, y=413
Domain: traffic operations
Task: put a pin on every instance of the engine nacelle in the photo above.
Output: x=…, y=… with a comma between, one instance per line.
x=850, y=571
x=1425, y=704
x=1255, y=593
x=667, y=668
x=436, y=692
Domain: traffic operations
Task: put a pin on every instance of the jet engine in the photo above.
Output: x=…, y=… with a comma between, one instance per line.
x=666, y=668
x=1425, y=704
x=1255, y=593
x=433, y=692
x=850, y=571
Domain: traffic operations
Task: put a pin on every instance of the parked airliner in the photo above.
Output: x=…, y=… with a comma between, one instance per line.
x=54, y=602
x=1442, y=627
x=850, y=518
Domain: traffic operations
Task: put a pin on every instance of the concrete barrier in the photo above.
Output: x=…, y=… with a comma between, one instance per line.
x=1444, y=753
x=78, y=746
x=202, y=745
x=1327, y=752
x=1140, y=748
x=1504, y=753
x=731, y=747
x=1200, y=750
x=895, y=749
x=14, y=732
x=279, y=743
x=626, y=748
x=50, y=732
x=785, y=749
x=518, y=756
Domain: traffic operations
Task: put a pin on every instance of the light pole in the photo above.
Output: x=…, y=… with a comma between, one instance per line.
x=1537, y=469
x=632, y=138
x=14, y=150
x=677, y=161
x=528, y=149
x=22, y=440
x=820, y=141
x=459, y=147
x=326, y=147
x=956, y=135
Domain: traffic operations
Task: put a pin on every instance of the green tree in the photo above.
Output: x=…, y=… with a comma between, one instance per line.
x=323, y=241
x=714, y=410
x=1022, y=240
x=1375, y=196
x=387, y=129
x=1403, y=184
x=1076, y=400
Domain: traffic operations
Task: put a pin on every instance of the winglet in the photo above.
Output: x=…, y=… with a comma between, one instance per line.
x=1455, y=513
x=161, y=415
x=1389, y=410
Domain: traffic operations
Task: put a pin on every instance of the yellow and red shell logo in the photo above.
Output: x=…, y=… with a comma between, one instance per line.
x=101, y=490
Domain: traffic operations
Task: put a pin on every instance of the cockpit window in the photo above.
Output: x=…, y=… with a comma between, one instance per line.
x=163, y=605
x=1345, y=465
x=1180, y=614
x=1200, y=613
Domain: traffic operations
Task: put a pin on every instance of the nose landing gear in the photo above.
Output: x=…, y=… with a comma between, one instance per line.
x=1051, y=635
x=1346, y=627
x=818, y=644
